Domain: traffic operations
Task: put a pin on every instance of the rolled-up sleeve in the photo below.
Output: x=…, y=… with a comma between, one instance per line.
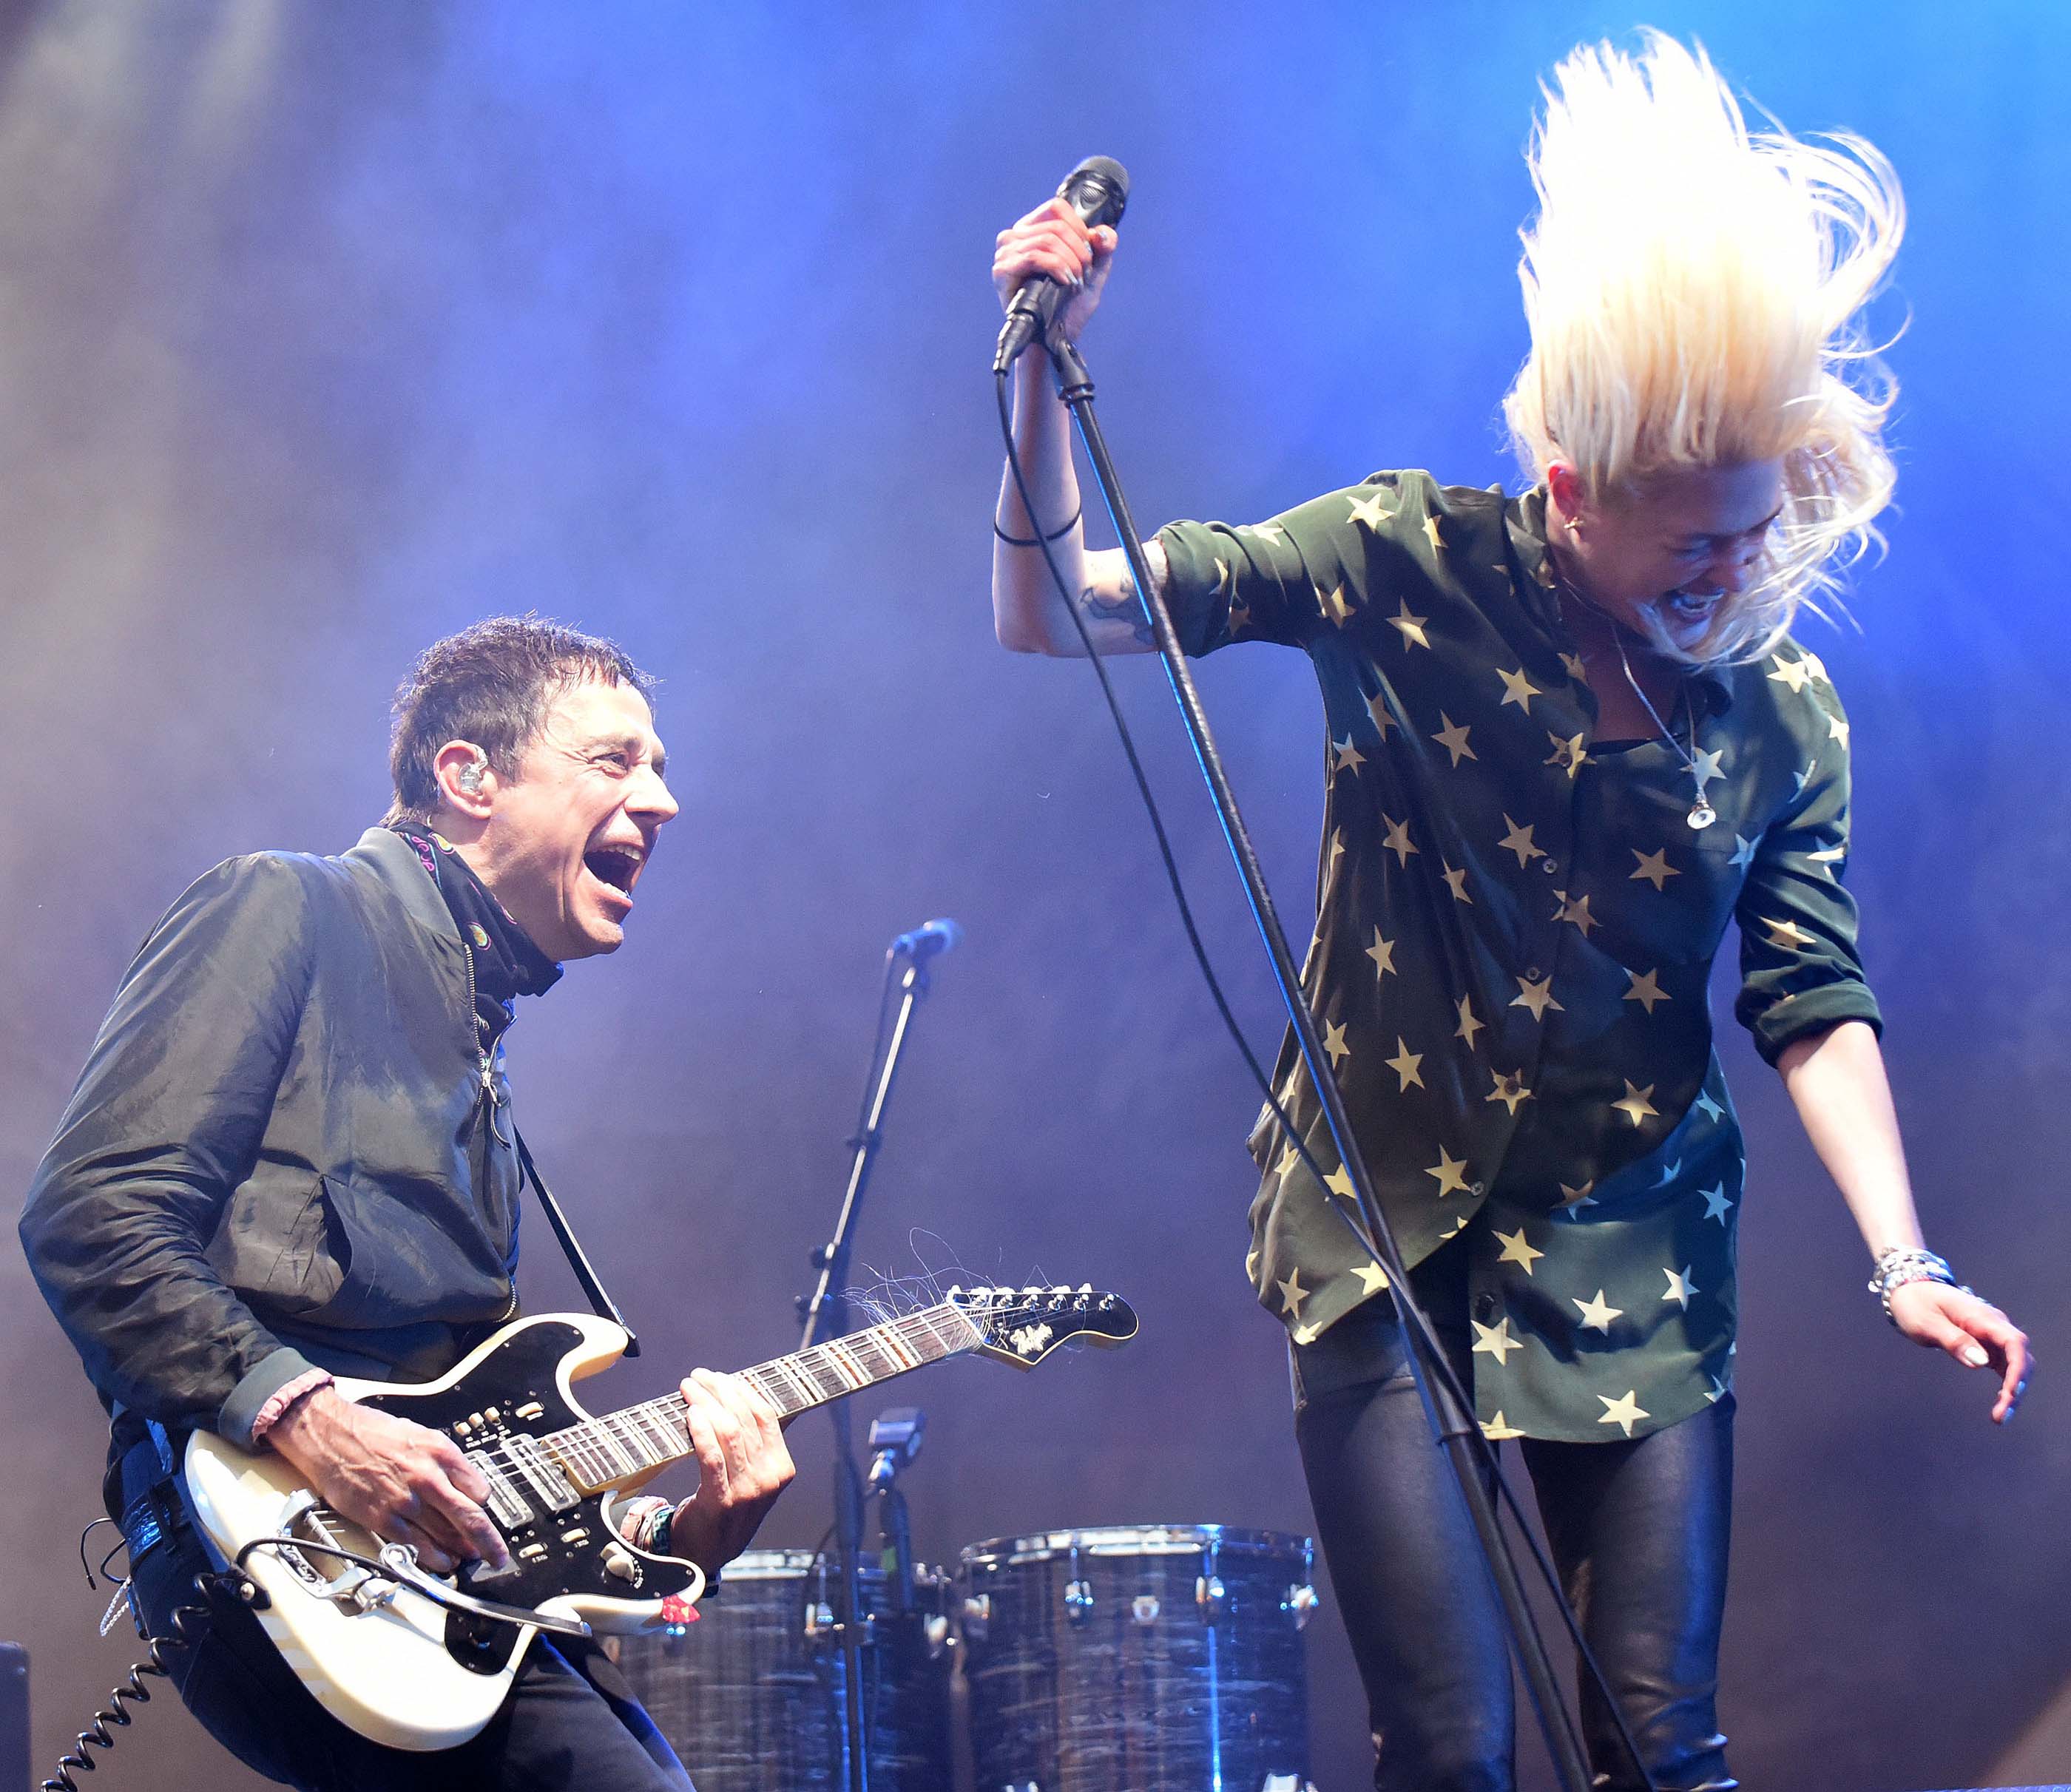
x=1800, y=969
x=167, y=1120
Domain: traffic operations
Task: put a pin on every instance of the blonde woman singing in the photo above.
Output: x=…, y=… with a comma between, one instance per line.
x=1570, y=738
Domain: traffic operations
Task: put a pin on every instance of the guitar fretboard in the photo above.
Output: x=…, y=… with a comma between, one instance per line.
x=600, y=1451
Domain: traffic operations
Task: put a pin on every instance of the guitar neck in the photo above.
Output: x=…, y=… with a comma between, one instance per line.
x=599, y=1452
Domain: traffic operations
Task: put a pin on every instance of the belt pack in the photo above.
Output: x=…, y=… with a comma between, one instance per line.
x=152, y=1509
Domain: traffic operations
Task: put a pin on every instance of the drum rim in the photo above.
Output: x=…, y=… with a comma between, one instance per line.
x=1133, y=1539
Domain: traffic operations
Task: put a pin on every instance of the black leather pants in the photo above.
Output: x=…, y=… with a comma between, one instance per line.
x=1639, y=1532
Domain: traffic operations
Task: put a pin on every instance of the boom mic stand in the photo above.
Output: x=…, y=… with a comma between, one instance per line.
x=1451, y=1425
x=827, y=1313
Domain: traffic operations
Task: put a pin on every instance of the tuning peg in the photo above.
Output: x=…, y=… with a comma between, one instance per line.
x=1085, y=1287
x=956, y=1287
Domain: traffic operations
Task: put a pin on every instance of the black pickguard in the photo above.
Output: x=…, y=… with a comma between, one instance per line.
x=554, y=1553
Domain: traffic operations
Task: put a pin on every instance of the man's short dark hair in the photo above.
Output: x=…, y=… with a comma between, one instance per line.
x=492, y=684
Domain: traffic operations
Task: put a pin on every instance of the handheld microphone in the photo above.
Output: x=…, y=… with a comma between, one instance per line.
x=928, y=939
x=1099, y=191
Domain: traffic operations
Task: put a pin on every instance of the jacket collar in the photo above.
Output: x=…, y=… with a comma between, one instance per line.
x=394, y=864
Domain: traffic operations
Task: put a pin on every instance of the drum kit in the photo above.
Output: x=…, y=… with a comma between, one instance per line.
x=1163, y=1658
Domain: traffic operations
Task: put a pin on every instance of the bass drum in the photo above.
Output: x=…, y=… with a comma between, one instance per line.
x=751, y=1696
x=1164, y=1658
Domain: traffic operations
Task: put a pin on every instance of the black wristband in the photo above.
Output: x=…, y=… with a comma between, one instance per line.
x=1034, y=541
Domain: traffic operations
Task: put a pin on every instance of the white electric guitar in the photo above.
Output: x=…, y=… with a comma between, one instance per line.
x=422, y=1662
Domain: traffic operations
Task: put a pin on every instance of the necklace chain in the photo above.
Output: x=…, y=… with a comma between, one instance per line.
x=1702, y=815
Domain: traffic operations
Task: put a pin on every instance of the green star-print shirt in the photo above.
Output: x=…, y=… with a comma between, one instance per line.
x=1515, y=929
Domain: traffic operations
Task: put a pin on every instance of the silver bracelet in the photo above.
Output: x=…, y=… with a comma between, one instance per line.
x=1896, y=1268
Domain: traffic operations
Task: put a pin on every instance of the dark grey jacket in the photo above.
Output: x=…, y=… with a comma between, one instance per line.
x=286, y=1148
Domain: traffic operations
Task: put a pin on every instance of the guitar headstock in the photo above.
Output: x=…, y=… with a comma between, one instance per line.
x=1022, y=1325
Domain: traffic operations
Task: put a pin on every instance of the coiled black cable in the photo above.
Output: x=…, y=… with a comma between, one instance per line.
x=115, y=1715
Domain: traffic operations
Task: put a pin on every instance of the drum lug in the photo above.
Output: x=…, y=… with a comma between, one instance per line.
x=1209, y=1595
x=1301, y=1600
x=1078, y=1601
x=977, y=1616
x=1144, y=1608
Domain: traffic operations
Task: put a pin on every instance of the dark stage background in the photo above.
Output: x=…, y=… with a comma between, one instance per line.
x=325, y=329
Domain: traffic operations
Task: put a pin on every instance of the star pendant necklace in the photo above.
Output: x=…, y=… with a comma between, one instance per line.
x=1702, y=815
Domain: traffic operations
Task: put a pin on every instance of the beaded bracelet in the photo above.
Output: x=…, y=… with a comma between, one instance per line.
x=1896, y=1268
x=1035, y=541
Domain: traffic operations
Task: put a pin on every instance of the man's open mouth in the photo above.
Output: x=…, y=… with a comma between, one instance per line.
x=617, y=867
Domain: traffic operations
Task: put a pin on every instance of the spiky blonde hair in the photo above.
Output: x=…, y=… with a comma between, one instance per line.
x=1694, y=291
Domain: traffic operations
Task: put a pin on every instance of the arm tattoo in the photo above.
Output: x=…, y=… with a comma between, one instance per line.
x=1123, y=608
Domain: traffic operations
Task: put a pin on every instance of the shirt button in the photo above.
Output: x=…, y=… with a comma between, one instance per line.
x=1484, y=1307
x=1478, y=1189
x=1551, y=867
x=1532, y=973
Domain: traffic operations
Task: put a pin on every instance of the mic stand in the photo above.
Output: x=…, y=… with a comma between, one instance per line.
x=1450, y=1426
x=827, y=1314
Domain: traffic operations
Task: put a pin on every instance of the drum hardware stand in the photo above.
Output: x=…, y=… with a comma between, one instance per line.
x=826, y=1313
x=1453, y=1427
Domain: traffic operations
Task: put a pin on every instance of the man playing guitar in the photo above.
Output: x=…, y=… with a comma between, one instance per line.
x=290, y=1157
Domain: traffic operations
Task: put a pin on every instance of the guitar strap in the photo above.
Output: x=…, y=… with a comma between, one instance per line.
x=600, y=1303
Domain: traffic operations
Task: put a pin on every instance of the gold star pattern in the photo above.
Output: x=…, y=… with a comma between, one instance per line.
x=1270, y=532
x=1518, y=689
x=1456, y=881
x=1597, y=1313
x=1468, y=1026
x=1837, y=730
x=1292, y=1293
x=1707, y=767
x=1335, y=604
x=1717, y=1206
x=1371, y=511
x=1828, y=859
x=1373, y=1279
x=1715, y=1393
x=1680, y=1287
x=1305, y=1334
x=1637, y=1104
x=1403, y=1063
x=1538, y=997
x=1345, y=757
x=1515, y=1250
x=1792, y=672
x=1499, y=1428
x=1397, y=839
x=1519, y=840
x=1577, y=911
x=1431, y=534
x=1453, y=738
x=1573, y=1200
x=1572, y=665
x=1448, y=1170
x=1496, y=1341
x=1288, y=1158
x=1712, y=1111
x=1334, y=1043
x=1567, y=754
x=1818, y=665
x=1743, y=851
x=1376, y=706
x=1337, y=848
x=1453, y=1230
x=1645, y=990
x=1625, y=1411
x=1412, y=627
x=1788, y=935
x=1339, y=1183
x=1509, y=1089
x=1654, y=867
x=1382, y=952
